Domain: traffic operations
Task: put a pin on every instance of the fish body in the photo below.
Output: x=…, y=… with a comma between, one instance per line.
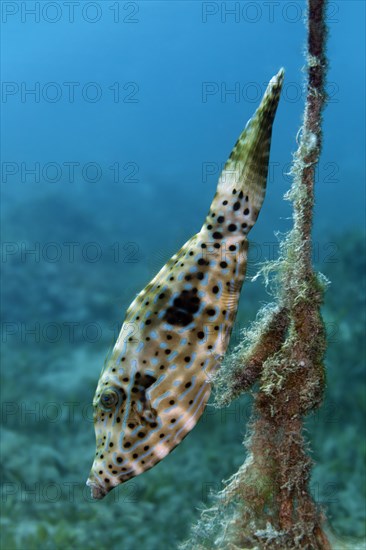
x=156, y=383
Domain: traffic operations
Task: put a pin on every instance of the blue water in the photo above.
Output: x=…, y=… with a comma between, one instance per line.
x=116, y=120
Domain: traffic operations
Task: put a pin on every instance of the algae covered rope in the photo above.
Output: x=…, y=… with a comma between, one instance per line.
x=286, y=357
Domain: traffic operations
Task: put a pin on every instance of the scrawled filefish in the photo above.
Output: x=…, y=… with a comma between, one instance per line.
x=156, y=383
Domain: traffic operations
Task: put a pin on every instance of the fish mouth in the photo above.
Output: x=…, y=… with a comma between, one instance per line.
x=97, y=491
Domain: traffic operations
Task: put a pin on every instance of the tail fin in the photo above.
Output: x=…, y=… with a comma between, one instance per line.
x=246, y=170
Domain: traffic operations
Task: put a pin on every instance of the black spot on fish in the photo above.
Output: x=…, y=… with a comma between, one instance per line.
x=183, y=308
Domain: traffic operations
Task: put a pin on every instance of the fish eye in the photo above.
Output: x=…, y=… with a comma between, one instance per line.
x=109, y=398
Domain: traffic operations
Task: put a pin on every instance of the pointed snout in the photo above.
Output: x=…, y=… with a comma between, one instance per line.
x=100, y=486
x=97, y=491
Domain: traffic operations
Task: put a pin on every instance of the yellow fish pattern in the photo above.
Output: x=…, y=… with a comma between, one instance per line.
x=156, y=383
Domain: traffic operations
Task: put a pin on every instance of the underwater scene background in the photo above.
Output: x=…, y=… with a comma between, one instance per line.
x=118, y=119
